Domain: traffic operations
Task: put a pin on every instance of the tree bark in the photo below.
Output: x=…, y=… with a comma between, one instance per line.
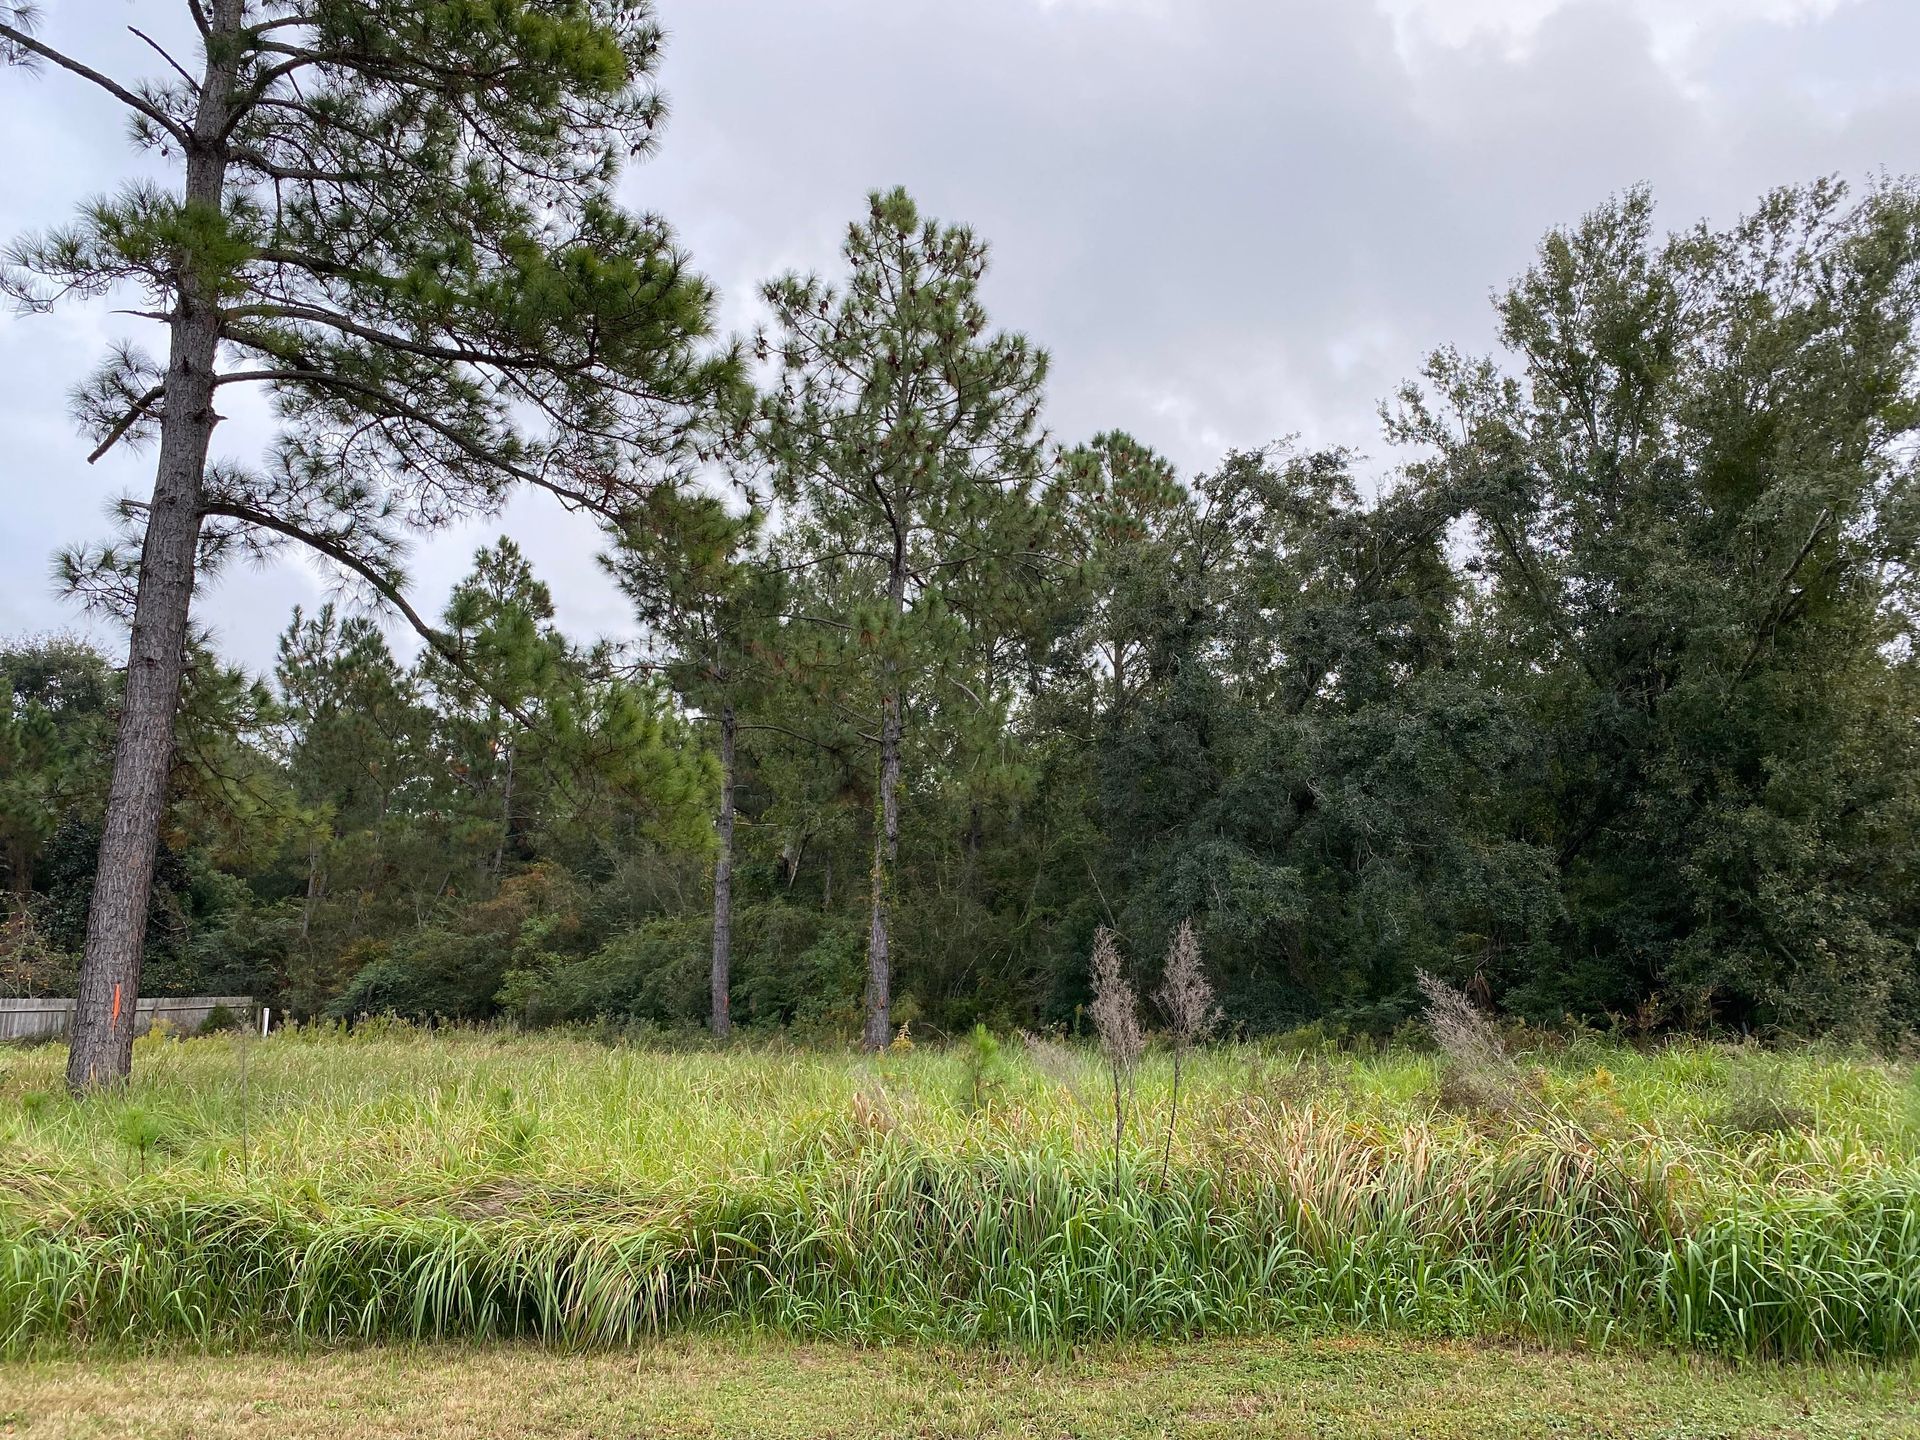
x=886, y=851
x=19, y=870
x=506, y=816
x=100, y=1052
x=886, y=842
x=723, y=881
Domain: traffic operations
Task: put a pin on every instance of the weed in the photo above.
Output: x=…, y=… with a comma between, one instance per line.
x=1116, y=1020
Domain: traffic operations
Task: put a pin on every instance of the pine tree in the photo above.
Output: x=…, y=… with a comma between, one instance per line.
x=397, y=216
x=709, y=605
x=1126, y=510
x=906, y=437
x=546, y=736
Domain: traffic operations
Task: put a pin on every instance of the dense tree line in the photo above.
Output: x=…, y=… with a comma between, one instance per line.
x=1601, y=701
x=1604, y=702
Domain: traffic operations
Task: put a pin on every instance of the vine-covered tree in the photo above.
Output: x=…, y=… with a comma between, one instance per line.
x=905, y=436
x=397, y=216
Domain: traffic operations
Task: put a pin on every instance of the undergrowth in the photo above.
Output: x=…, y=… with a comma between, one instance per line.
x=477, y=1185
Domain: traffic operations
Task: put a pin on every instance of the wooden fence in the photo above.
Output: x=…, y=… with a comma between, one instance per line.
x=48, y=1019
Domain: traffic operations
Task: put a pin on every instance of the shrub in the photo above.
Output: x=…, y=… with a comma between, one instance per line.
x=1758, y=1103
x=435, y=975
x=29, y=966
x=655, y=973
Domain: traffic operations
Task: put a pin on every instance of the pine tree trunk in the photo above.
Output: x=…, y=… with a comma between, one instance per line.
x=506, y=817
x=723, y=881
x=886, y=833
x=100, y=1051
x=313, y=889
x=19, y=870
x=886, y=851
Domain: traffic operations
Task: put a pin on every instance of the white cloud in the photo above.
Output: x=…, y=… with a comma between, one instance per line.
x=1678, y=27
x=1230, y=220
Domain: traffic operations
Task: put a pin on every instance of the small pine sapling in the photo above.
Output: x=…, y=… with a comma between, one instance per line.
x=985, y=1071
x=140, y=1130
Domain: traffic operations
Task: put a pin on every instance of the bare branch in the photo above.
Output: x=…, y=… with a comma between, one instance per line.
x=126, y=97
x=153, y=45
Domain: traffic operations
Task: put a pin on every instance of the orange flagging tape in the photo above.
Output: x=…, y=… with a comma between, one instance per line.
x=116, y=1005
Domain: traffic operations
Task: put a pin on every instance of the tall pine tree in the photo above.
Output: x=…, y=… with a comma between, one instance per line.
x=397, y=216
x=905, y=436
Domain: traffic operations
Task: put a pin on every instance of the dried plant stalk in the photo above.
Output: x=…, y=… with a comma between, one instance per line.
x=1185, y=997
x=1116, y=1020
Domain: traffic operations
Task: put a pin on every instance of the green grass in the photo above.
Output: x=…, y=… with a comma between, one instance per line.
x=395, y=1185
x=1352, y=1387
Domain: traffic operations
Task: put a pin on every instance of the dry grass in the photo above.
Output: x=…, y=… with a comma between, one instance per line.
x=1354, y=1387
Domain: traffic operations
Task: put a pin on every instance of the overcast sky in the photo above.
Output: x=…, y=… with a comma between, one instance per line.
x=1229, y=220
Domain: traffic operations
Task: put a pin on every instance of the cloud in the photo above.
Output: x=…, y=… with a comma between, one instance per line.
x=1229, y=220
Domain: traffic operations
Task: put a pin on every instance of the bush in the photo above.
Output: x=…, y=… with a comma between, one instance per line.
x=219, y=1018
x=29, y=965
x=655, y=973
x=435, y=975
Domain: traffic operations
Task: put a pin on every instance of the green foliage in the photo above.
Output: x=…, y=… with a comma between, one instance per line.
x=55, y=726
x=1597, y=706
x=984, y=1070
x=139, y=1128
x=904, y=438
x=655, y=972
x=1692, y=494
x=412, y=219
x=29, y=966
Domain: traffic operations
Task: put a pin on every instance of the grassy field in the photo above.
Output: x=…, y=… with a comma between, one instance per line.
x=393, y=1185
x=1353, y=1388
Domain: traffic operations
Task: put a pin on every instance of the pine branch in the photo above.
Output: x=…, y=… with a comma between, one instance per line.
x=127, y=421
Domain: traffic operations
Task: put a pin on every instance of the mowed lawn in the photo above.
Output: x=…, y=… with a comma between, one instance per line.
x=715, y=1386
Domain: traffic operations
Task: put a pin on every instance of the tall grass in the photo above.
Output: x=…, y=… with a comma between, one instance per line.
x=483, y=1185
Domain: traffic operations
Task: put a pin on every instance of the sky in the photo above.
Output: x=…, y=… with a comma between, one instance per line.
x=1229, y=221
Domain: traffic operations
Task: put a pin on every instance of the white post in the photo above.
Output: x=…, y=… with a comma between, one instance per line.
x=266, y=1015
